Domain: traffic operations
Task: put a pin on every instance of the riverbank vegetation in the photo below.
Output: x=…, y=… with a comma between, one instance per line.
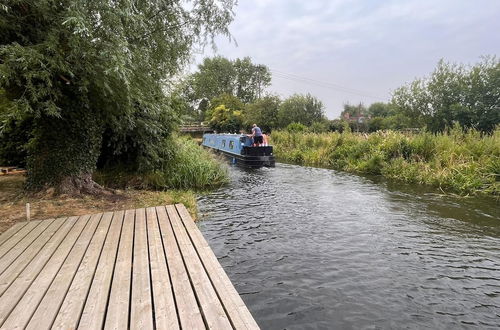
x=459, y=161
x=84, y=86
x=187, y=166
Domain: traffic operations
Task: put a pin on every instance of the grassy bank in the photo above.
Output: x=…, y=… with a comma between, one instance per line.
x=189, y=170
x=458, y=162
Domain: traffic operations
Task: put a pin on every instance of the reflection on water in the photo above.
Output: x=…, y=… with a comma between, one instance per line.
x=313, y=248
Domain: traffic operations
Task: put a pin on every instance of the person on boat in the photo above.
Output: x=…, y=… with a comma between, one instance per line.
x=257, y=136
x=265, y=139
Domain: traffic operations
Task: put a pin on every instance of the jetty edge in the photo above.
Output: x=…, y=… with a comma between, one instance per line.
x=147, y=268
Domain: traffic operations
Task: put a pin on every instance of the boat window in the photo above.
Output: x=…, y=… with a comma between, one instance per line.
x=223, y=143
x=231, y=144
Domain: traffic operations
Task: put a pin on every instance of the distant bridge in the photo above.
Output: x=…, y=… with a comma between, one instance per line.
x=196, y=129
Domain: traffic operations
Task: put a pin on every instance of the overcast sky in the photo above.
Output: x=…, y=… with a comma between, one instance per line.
x=358, y=50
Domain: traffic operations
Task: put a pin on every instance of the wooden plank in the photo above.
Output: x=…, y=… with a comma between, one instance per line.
x=187, y=307
x=14, y=239
x=11, y=272
x=141, y=269
x=11, y=231
x=235, y=307
x=71, y=308
x=47, y=310
x=117, y=315
x=69, y=250
x=95, y=307
x=36, y=264
x=31, y=239
x=13, y=294
x=141, y=309
x=211, y=307
x=164, y=303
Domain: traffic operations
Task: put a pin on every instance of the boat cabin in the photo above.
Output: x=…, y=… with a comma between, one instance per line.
x=239, y=147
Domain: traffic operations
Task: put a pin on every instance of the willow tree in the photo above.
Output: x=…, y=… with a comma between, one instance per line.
x=79, y=66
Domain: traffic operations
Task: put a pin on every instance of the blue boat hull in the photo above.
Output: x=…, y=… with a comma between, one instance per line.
x=240, y=150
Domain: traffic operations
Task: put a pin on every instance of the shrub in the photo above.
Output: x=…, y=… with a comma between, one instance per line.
x=296, y=127
x=190, y=167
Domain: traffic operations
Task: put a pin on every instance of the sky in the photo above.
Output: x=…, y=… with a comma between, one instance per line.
x=352, y=51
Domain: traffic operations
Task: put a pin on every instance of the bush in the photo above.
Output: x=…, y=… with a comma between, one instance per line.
x=225, y=120
x=318, y=127
x=190, y=167
x=296, y=127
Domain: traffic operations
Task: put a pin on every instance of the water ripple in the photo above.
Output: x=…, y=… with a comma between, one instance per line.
x=311, y=248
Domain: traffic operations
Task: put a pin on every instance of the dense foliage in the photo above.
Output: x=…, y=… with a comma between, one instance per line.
x=454, y=93
x=226, y=120
x=15, y=133
x=218, y=76
x=378, y=116
x=189, y=167
x=225, y=114
x=459, y=161
x=93, y=73
x=264, y=111
x=304, y=109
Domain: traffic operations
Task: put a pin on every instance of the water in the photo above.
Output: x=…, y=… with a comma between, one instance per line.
x=312, y=248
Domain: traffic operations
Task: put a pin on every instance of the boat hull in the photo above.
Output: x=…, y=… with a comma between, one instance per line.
x=250, y=161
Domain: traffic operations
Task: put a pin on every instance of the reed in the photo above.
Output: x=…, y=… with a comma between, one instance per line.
x=189, y=167
x=192, y=167
x=462, y=162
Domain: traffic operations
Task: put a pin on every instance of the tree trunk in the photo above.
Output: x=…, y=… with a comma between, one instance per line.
x=82, y=184
x=64, y=152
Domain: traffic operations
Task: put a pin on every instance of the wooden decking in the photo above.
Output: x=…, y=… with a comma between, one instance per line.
x=139, y=269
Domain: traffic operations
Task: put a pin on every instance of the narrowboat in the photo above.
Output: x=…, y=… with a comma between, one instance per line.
x=239, y=148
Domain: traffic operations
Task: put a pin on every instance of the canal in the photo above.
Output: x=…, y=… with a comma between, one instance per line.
x=311, y=248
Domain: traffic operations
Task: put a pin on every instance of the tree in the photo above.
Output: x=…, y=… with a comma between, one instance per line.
x=337, y=125
x=227, y=100
x=251, y=79
x=303, y=109
x=225, y=120
x=454, y=93
x=215, y=76
x=380, y=109
x=218, y=75
x=88, y=70
x=263, y=112
x=375, y=124
x=225, y=114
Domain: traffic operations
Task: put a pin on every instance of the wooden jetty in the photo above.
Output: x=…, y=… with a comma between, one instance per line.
x=136, y=269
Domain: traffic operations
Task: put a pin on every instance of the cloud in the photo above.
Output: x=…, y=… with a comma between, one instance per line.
x=373, y=46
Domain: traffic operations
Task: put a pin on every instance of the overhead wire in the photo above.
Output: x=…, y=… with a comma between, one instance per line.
x=324, y=84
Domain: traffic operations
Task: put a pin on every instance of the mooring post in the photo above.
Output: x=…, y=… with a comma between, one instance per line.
x=28, y=215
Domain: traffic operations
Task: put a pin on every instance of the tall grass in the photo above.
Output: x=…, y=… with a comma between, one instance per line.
x=190, y=167
x=462, y=162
